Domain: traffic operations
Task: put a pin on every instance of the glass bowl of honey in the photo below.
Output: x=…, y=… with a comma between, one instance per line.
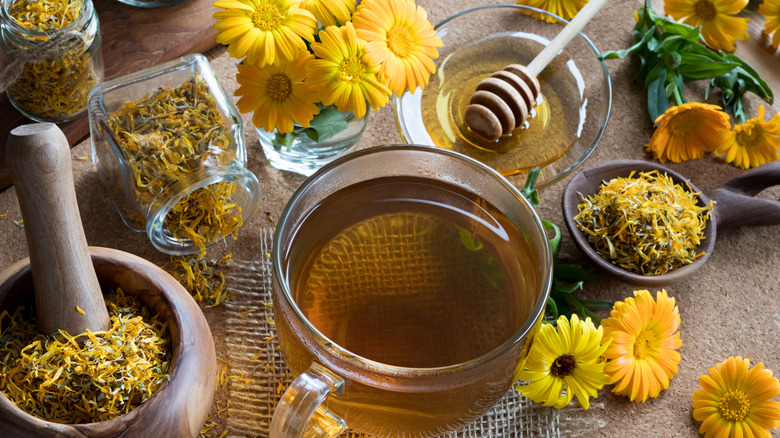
x=563, y=128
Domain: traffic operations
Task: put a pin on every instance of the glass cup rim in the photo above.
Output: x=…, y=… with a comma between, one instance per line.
x=286, y=294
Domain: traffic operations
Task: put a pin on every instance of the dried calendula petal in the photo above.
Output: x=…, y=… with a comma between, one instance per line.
x=205, y=281
x=106, y=375
x=168, y=136
x=646, y=224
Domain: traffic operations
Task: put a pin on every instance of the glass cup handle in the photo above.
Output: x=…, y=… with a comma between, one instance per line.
x=300, y=408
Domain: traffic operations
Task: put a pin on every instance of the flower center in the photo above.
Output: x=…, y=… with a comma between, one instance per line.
x=279, y=87
x=684, y=122
x=747, y=138
x=705, y=9
x=352, y=69
x=734, y=405
x=267, y=17
x=563, y=366
x=644, y=344
x=400, y=41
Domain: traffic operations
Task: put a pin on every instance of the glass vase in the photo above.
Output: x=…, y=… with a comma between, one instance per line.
x=330, y=135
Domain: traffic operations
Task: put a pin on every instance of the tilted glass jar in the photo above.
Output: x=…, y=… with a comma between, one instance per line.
x=54, y=48
x=169, y=146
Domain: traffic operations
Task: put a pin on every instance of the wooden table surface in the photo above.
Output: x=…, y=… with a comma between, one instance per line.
x=731, y=308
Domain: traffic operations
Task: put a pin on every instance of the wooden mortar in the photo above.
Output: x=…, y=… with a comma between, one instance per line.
x=39, y=159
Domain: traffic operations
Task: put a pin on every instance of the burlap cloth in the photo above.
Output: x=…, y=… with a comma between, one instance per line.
x=732, y=307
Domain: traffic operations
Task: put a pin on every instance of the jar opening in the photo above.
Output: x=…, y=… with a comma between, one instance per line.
x=83, y=10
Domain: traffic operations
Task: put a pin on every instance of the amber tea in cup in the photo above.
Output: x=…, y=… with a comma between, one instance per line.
x=406, y=280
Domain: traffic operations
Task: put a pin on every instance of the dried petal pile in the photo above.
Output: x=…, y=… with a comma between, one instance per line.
x=645, y=224
x=112, y=373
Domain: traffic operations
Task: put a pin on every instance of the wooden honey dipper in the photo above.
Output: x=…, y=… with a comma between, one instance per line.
x=503, y=101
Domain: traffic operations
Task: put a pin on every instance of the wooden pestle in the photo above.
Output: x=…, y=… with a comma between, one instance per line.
x=503, y=101
x=67, y=292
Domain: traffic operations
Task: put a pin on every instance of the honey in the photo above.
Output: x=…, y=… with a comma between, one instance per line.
x=552, y=128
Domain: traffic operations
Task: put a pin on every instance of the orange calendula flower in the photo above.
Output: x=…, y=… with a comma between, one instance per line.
x=344, y=73
x=735, y=401
x=265, y=31
x=398, y=34
x=330, y=12
x=718, y=28
x=277, y=94
x=752, y=143
x=685, y=131
x=565, y=9
x=642, y=358
x=770, y=9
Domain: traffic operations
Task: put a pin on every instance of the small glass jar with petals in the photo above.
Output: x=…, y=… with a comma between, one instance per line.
x=331, y=134
x=169, y=146
x=55, y=57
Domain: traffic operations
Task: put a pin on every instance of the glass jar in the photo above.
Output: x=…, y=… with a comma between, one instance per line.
x=169, y=146
x=52, y=66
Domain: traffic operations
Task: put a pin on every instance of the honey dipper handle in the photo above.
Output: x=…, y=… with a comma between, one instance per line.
x=562, y=39
x=67, y=292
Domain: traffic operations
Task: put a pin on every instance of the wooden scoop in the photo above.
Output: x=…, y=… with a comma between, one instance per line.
x=503, y=101
x=67, y=292
x=735, y=205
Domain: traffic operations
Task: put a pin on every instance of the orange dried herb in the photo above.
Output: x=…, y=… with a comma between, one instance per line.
x=166, y=137
x=112, y=373
x=205, y=281
x=646, y=224
x=53, y=73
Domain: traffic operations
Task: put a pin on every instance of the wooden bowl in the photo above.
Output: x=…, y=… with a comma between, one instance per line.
x=180, y=407
x=735, y=205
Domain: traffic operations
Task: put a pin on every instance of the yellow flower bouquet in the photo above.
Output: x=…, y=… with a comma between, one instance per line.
x=311, y=66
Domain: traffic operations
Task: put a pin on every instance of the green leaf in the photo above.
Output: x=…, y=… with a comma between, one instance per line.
x=555, y=242
x=468, y=240
x=704, y=69
x=657, y=102
x=612, y=54
x=326, y=124
x=552, y=309
x=566, y=288
x=529, y=189
x=575, y=273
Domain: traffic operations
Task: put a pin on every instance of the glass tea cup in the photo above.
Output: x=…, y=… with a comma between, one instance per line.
x=408, y=282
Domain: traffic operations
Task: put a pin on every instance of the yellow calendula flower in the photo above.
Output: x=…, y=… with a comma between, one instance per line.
x=344, y=73
x=264, y=31
x=752, y=143
x=642, y=357
x=718, y=28
x=398, y=34
x=565, y=9
x=278, y=95
x=330, y=12
x=770, y=9
x=684, y=132
x=735, y=401
x=564, y=363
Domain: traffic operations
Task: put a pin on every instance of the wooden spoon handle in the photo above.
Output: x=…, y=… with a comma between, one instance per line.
x=67, y=292
x=735, y=201
x=562, y=39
